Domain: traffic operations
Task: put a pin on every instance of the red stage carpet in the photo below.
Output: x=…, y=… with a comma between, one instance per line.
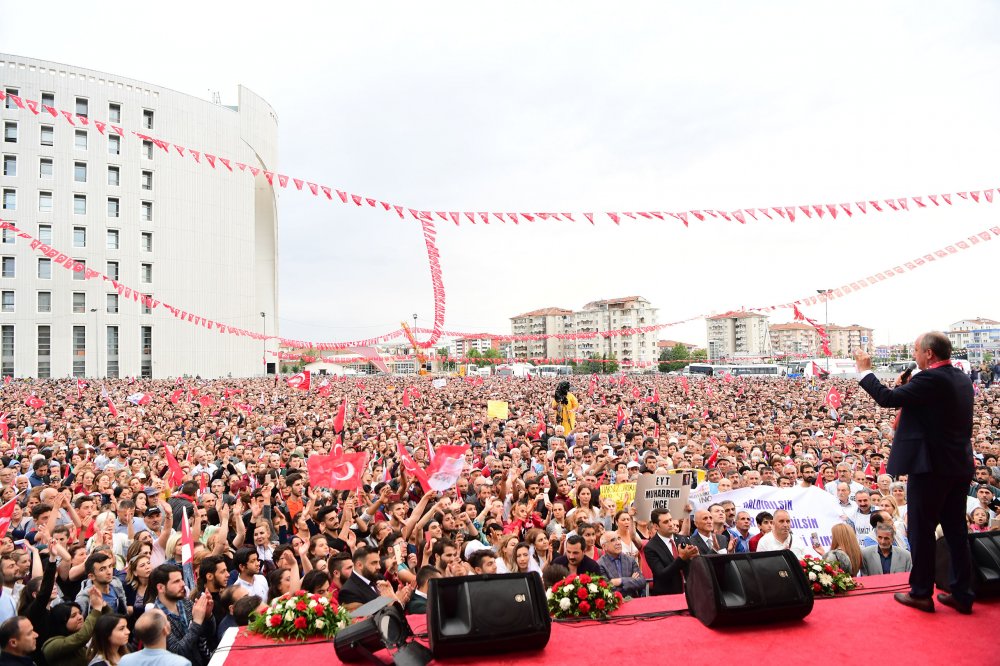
x=865, y=626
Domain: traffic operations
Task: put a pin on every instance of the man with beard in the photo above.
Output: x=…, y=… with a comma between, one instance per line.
x=191, y=624
x=808, y=476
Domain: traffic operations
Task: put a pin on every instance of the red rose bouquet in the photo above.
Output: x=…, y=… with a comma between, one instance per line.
x=300, y=616
x=826, y=578
x=582, y=596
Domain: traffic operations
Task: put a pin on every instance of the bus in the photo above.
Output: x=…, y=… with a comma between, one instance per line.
x=699, y=369
x=554, y=370
x=755, y=370
x=515, y=370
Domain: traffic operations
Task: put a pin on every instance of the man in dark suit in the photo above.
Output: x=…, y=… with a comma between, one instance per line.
x=361, y=587
x=933, y=446
x=575, y=560
x=667, y=555
x=706, y=539
x=418, y=602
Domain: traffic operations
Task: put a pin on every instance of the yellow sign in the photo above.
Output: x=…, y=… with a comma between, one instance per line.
x=497, y=409
x=621, y=493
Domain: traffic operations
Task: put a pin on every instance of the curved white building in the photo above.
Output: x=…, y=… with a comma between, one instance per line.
x=201, y=239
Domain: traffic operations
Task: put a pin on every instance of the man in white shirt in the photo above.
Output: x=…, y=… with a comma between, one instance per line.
x=248, y=564
x=780, y=538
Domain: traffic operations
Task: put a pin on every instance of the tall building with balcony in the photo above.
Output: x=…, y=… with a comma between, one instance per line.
x=612, y=314
x=794, y=338
x=537, y=322
x=976, y=336
x=202, y=239
x=845, y=340
x=736, y=335
x=461, y=347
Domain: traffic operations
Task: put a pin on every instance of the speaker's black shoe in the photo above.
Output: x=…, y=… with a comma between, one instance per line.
x=950, y=601
x=926, y=605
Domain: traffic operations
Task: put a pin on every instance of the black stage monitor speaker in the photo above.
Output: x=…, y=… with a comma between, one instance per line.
x=477, y=615
x=747, y=588
x=985, y=547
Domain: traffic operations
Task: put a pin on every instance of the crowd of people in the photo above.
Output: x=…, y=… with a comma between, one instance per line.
x=91, y=558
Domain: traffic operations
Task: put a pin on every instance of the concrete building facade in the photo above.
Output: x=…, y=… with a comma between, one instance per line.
x=199, y=238
x=738, y=334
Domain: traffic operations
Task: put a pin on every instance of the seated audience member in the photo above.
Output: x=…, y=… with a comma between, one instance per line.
x=884, y=558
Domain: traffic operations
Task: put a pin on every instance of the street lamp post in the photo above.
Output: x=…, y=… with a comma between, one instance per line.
x=826, y=317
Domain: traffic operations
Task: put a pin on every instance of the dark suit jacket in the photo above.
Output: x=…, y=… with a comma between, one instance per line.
x=417, y=605
x=587, y=566
x=696, y=540
x=667, y=569
x=935, y=426
x=356, y=592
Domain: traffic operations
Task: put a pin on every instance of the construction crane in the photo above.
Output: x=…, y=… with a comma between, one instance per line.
x=421, y=357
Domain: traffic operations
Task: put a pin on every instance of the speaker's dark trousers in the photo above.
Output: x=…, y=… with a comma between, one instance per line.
x=933, y=499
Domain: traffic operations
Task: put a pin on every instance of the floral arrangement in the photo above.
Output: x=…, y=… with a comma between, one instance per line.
x=299, y=616
x=826, y=578
x=583, y=596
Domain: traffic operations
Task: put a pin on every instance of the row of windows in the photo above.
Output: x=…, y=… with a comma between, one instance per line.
x=46, y=205
x=81, y=139
x=82, y=107
x=78, y=349
x=112, y=238
x=46, y=171
x=43, y=303
x=8, y=269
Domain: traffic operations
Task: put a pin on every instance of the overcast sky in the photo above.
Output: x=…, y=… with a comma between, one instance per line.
x=579, y=106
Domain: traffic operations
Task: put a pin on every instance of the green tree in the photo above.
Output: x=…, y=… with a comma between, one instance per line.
x=492, y=354
x=444, y=353
x=673, y=359
x=474, y=356
x=611, y=366
x=699, y=355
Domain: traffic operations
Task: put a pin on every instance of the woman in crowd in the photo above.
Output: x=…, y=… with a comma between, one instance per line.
x=136, y=580
x=522, y=559
x=110, y=641
x=625, y=527
x=979, y=520
x=505, y=554
x=70, y=632
x=541, y=548
x=844, y=549
x=586, y=505
x=316, y=582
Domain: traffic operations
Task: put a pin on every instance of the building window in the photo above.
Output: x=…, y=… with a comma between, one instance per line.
x=47, y=135
x=49, y=99
x=44, y=202
x=82, y=107
x=44, y=352
x=45, y=233
x=9, y=199
x=112, y=351
x=113, y=206
x=112, y=303
x=10, y=132
x=7, y=302
x=114, y=144
x=147, y=118
x=45, y=169
x=80, y=139
x=7, y=238
x=146, y=351
x=10, y=165
x=79, y=172
x=114, y=239
x=147, y=241
x=79, y=237
x=114, y=112
x=79, y=302
x=7, y=351
x=10, y=103
x=147, y=180
x=147, y=211
x=44, y=268
x=114, y=176
x=79, y=275
x=79, y=204
x=7, y=267
x=45, y=301
x=147, y=273
x=112, y=270
x=147, y=149
x=79, y=351
x=145, y=309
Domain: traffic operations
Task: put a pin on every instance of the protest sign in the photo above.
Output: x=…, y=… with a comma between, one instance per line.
x=661, y=491
x=621, y=493
x=811, y=509
x=496, y=409
x=439, y=383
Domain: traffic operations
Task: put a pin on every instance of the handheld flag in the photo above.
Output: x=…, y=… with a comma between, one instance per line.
x=620, y=419
x=299, y=380
x=338, y=422
x=337, y=473
x=176, y=475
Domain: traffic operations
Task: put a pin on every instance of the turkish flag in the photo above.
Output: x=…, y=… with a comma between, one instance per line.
x=636, y=393
x=34, y=402
x=406, y=397
x=540, y=432
x=656, y=396
x=176, y=396
x=3, y=429
x=338, y=422
x=176, y=475
x=620, y=419
x=325, y=388
x=684, y=383
x=6, y=513
x=299, y=380
x=833, y=398
x=337, y=472
x=187, y=543
x=338, y=447
x=449, y=461
x=202, y=484
x=206, y=401
x=710, y=463
x=412, y=468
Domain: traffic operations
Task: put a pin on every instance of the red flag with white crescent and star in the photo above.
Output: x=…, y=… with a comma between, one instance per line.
x=337, y=472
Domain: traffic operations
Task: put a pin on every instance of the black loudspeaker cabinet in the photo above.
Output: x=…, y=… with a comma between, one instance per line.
x=747, y=588
x=985, y=550
x=481, y=615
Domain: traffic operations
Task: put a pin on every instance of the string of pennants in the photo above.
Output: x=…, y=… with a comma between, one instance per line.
x=563, y=360
x=740, y=215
